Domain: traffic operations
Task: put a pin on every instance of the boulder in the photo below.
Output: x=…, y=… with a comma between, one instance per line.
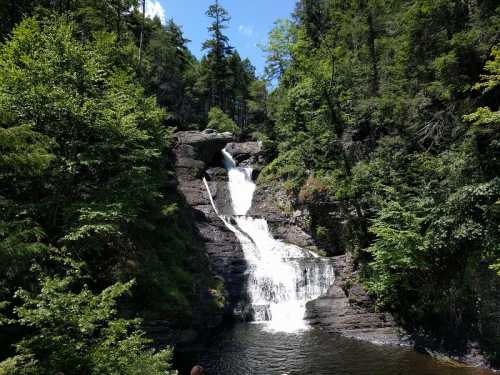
x=204, y=146
x=347, y=310
x=245, y=150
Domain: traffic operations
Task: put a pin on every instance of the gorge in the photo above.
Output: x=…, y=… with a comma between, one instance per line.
x=311, y=189
x=293, y=311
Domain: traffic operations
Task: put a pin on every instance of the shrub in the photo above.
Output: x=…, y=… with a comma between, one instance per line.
x=221, y=122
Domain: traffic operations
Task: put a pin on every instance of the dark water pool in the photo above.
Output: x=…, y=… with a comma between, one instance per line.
x=250, y=349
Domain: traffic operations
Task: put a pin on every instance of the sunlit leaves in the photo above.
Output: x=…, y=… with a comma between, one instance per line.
x=74, y=329
x=489, y=81
x=221, y=122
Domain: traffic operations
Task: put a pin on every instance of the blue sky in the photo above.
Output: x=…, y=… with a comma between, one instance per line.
x=251, y=20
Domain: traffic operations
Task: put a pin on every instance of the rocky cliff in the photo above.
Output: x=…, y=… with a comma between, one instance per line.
x=346, y=309
x=198, y=155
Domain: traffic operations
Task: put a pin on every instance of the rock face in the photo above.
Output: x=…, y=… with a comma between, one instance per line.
x=198, y=155
x=207, y=143
x=249, y=154
x=284, y=222
x=347, y=309
x=245, y=151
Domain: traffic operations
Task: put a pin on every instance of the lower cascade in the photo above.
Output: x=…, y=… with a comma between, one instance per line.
x=282, y=277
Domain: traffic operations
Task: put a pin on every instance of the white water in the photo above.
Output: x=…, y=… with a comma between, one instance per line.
x=241, y=186
x=282, y=278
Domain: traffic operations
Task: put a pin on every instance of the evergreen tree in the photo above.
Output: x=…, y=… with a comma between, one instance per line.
x=74, y=330
x=218, y=49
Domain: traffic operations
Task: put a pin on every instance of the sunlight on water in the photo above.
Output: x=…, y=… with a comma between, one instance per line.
x=241, y=186
x=282, y=278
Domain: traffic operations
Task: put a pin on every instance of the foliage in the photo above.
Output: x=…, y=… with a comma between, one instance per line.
x=226, y=81
x=368, y=118
x=84, y=165
x=278, y=49
x=74, y=330
x=221, y=122
x=106, y=134
x=489, y=82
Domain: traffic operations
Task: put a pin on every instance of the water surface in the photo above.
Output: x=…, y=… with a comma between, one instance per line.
x=252, y=349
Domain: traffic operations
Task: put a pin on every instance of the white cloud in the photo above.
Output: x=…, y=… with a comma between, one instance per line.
x=155, y=9
x=246, y=30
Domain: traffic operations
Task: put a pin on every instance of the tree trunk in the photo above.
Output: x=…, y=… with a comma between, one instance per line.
x=373, y=55
x=141, y=39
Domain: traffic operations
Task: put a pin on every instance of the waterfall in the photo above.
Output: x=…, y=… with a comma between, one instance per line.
x=282, y=277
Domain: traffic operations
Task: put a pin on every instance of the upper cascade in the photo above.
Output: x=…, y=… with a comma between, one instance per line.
x=241, y=186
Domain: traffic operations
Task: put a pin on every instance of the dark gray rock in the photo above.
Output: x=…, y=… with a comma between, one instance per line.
x=222, y=197
x=190, y=167
x=194, y=152
x=269, y=204
x=348, y=310
x=244, y=150
x=216, y=174
x=204, y=146
x=285, y=224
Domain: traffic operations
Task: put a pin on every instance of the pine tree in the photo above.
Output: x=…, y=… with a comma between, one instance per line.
x=218, y=50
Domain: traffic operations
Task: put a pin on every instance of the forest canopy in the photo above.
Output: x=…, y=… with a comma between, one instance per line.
x=389, y=110
x=92, y=230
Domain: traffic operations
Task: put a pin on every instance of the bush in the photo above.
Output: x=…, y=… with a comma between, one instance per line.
x=76, y=331
x=221, y=122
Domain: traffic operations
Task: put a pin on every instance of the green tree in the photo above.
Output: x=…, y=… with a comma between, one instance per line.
x=74, y=330
x=84, y=165
x=489, y=82
x=367, y=119
x=221, y=122
x=279, y=49
x=168, y=67
x=218, y=49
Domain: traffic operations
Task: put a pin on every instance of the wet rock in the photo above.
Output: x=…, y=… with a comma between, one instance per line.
x=216, y=174
x=292, y=234
x=256, y=172
x=222, y=198
x=352, y=315
x=266, y=203
x=284, y=223
x=248, y=154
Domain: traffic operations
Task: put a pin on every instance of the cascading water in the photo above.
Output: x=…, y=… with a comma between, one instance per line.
x=282, y=278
